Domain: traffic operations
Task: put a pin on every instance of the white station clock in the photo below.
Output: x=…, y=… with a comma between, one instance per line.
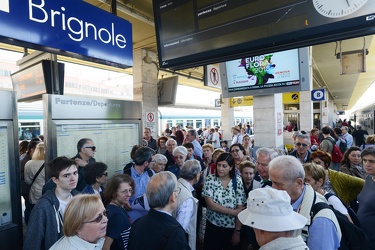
x=338, y=8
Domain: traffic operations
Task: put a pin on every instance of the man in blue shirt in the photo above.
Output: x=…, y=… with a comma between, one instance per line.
x=287, y=173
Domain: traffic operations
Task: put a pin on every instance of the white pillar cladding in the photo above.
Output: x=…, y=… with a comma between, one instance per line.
x=145, y=78
x=268, y=116
x=227, y=119
x=305, y=103
x=306, y=111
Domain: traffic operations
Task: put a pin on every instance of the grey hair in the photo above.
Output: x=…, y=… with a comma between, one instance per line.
x=289, y=166
x=190, y=169
x=272, y=153
x=368, y=151
x=302, y=136
x=160, y=158
x=181, y=150
x=170, y=140
x=192, y=132
x=160, y=188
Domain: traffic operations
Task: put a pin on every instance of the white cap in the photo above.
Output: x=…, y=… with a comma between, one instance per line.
x=269, y=209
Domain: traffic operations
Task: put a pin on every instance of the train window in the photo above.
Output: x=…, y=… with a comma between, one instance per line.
x=190, y=123
x=181, y=122
x=169, y=122
x=237, y=121
x=28, y=130
x=198, y=124
x=215, y=122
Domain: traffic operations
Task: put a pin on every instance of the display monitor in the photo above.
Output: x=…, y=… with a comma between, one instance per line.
x=265, y=74
x=32, y=82
x=167, y=90
x=193, y=33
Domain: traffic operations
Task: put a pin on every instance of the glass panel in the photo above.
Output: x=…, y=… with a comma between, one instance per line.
x=190, y=123
x=5, y=193
x=28, y=130
x=110, y=149
x=169, y=122
x=215, y=122
x=181, y=122
x=198, y=124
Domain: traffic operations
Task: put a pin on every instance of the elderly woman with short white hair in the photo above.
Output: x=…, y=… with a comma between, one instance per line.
x=180, y=154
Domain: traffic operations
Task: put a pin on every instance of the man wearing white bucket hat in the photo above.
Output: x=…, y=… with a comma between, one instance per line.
x=270, y=214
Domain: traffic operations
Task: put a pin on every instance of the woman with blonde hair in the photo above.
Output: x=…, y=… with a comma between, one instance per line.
x=315, y=175
x=85, y=224
x=35, y=169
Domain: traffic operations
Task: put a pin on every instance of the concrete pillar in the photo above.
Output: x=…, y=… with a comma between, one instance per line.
x=268, y=121
x=145, y=78
x=306, y=118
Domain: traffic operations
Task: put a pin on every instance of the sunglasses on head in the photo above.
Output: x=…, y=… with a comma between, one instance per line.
x=98, y=219
x=92, y=148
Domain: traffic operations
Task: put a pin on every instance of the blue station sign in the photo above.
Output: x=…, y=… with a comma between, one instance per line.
x=68, y=27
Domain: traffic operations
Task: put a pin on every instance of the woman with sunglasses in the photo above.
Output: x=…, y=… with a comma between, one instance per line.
x=95, y=177
x=116, y=195
x=85, y=224
x=225, y=198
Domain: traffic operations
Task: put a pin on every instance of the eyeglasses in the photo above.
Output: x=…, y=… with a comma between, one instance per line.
x=235, y=151
x=126, y=191
x=298, y=144
x=92, y=148
x=106, y=174
x=178, y=190
x=97, y=219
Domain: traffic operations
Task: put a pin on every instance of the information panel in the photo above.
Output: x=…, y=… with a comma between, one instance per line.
x=113, y=142
x=5, y=192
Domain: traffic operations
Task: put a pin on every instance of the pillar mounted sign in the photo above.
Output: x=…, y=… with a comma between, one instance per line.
x=67, y=27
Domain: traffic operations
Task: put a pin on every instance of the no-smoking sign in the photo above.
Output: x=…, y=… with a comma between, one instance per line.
x=151, y=122
x=150, y=117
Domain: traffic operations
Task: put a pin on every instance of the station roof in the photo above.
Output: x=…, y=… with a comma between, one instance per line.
x=345, y=90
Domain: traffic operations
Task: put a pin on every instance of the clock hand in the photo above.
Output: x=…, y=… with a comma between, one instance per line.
x=347, y=1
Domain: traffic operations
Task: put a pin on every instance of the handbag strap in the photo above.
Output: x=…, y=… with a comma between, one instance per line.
x=37, y=173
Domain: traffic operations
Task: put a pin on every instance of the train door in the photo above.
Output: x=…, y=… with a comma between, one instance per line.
x=190, y=123
x=207, y=122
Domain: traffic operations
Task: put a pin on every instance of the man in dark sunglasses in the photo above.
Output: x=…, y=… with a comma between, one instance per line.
x=302, y=148
x=86, y=151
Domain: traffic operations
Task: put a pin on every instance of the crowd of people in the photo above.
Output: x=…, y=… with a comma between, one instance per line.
x=186, y=190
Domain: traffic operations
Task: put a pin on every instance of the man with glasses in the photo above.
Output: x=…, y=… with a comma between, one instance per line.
x=162, y=230
x=302, y=148
x=85, y=155
x=264, y=156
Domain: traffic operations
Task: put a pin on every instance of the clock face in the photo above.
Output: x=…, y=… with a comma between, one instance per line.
x=337, y=8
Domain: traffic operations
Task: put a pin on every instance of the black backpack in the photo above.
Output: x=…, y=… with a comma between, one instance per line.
x=352, y=237
x=351, y=212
